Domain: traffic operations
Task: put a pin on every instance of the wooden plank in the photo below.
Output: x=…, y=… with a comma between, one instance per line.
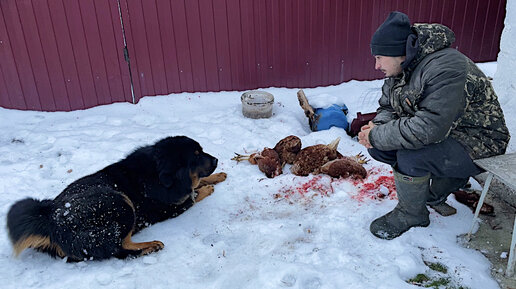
x=193, y=25
x=14, y=97
x=502, y=166
x=20, y=54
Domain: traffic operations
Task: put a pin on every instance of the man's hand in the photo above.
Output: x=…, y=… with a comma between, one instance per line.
x=363, y=135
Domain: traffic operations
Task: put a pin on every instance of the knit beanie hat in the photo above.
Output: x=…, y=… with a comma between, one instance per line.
x=390, y=38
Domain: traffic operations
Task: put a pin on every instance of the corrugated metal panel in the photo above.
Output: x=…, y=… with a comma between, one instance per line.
x=10, y=79
x=22, y=71
x=245, y=44
x=61, y=55
x=65, y=54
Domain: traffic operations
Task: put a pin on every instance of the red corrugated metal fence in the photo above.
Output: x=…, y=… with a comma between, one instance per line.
x=61, y=55
x=69, y=54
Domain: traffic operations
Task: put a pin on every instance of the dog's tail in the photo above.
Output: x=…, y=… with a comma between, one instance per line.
x=29, y=225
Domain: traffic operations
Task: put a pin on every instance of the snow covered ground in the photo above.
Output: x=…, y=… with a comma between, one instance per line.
x=253, y=232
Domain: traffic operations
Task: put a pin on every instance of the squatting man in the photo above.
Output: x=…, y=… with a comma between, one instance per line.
x=438, y=112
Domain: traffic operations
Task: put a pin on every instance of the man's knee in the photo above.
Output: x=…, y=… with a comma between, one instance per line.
x=413, y=163
x=388, y=157
x=446, y=159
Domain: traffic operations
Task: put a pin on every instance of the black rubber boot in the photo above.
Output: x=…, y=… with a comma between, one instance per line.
x=411, y=210
x=440, y=189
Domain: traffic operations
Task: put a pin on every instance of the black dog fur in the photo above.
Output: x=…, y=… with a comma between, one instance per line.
x=95, y=216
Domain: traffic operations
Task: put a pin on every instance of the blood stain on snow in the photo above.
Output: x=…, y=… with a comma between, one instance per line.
x=316, y=185
x=377, y=186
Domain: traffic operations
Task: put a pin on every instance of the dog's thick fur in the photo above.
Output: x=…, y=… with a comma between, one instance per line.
x=95, y=216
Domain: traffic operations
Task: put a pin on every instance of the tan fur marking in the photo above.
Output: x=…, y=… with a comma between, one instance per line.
x=203, y=192
x=195, y=179
x=128, y=201
x=37, y=242
x=212, y=179
x=146, y=247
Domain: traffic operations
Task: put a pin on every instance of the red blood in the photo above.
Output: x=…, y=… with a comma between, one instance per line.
x=368, y=189
x=371, y=190
x=313, y=185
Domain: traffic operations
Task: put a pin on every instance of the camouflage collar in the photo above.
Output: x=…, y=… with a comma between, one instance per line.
x=430, y=38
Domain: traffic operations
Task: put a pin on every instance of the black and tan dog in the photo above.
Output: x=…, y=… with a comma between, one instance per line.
x=95, y=216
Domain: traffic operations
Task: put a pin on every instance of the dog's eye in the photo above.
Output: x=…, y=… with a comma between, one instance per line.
x=196, y=153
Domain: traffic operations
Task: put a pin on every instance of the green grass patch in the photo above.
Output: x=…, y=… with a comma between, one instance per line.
x=438, y=283
x=419, y=279
x=437, y=267
x=436, y=278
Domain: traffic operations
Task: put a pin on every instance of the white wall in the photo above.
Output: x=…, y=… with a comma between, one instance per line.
x=505, y=77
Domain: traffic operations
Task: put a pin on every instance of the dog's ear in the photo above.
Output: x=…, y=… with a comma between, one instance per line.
x=166, y=178
x=167, y=166
x=172, y=187
x=174, y=178
x=182, y=182
x=180, y=179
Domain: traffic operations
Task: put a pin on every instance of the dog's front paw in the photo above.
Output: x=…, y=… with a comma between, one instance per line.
x=212, y=179
x=219, y=177
x=203, y=192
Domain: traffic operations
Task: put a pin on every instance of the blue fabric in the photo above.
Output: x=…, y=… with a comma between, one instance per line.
x=334, y=115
